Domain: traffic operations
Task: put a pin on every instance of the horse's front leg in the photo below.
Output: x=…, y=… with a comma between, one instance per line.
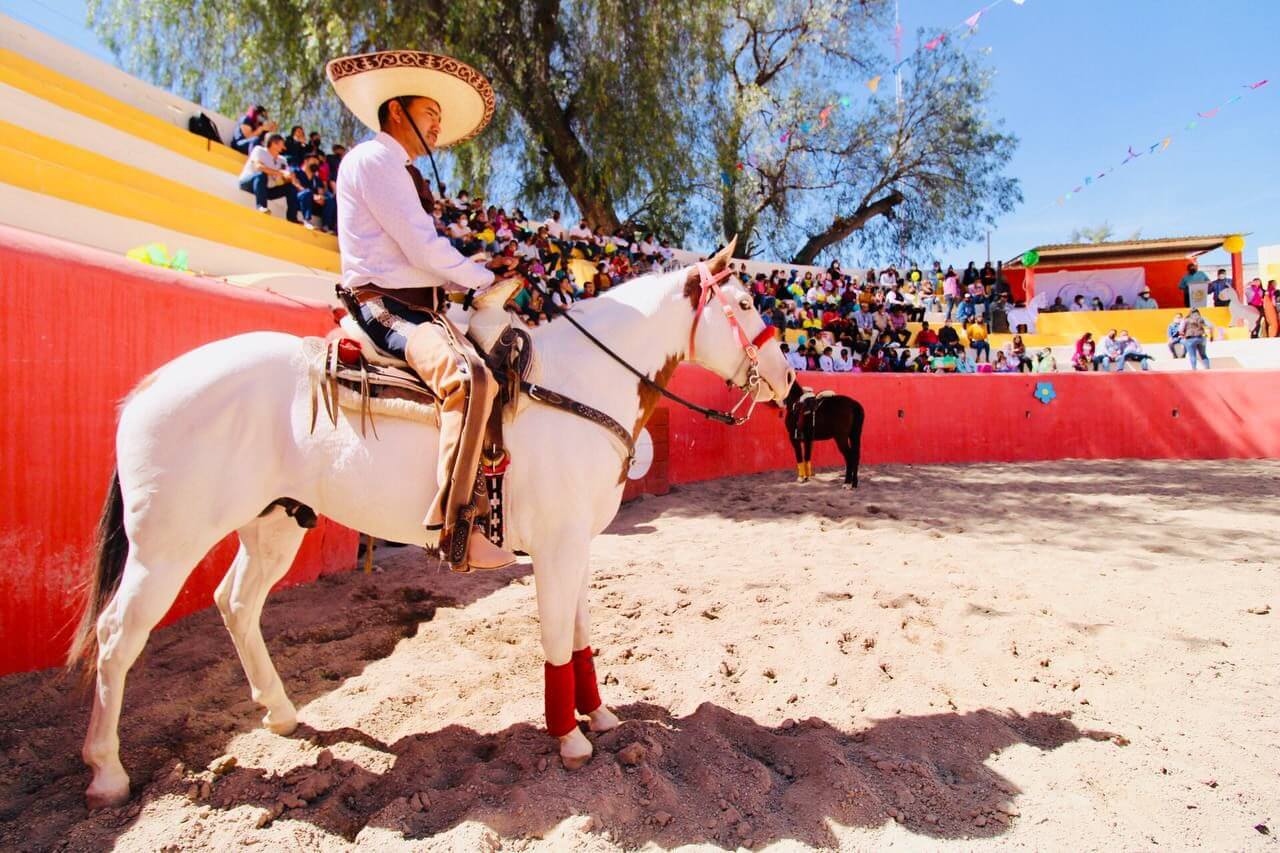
x=559, y=571
x=586, y=695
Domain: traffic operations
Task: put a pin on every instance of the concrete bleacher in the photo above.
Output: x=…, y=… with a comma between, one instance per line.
x=91, y=154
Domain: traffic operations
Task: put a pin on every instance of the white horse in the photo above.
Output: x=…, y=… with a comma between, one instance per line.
x=208, y=441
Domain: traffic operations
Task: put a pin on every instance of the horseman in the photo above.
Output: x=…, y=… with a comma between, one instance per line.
x=398, y=270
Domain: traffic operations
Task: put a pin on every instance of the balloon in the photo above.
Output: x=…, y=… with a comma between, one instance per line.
x=1233, y=244
x=1030, y=258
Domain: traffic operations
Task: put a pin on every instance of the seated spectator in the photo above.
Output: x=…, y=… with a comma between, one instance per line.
x=1119, y=304
x=1176, y=348
x=1003, y=365
x=967, y=310
x=313, y=198
x=1057, y=307
x=1077, y=304
x=564, y=294
x=826, y=363
x=602, y=280
x=1085, y=350
x=948, y=337
x=965, y=363
x=554, y=229
x=295, y=146
x=843, y=360
x=926, y=338
x=795, y=359
x=1131, y=350
x=1145, y=301
x=1095, y=304
x=976, y=332
x=898, y=331
x=1017, y=354
x=267, y=176
x=945, y=361
x=252, y=129
x=1110, y=353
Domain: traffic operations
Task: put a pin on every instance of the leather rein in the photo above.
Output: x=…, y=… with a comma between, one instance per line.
x=750, y=348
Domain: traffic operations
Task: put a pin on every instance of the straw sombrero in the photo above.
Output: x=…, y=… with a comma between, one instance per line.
x=366, y=81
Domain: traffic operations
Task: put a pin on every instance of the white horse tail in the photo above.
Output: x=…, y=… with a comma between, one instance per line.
x=111, y=548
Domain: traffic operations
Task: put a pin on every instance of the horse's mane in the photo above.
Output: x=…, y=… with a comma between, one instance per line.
x=619, y=293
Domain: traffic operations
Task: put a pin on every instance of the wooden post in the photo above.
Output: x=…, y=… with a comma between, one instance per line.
x=1237, y=273
x=368, y=554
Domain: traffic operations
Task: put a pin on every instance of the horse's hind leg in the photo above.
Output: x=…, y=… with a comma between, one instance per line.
x=147, y=590
x=853, y=455
x=267, y=547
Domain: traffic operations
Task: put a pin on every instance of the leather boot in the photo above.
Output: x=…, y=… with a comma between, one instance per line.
x=483, y=555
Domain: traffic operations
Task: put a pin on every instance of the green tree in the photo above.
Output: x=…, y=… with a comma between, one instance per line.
x=1097, y=234
x=662, y=112
x=590, y=93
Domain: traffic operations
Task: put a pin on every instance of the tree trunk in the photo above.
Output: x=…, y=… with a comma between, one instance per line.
x=547, y=119
x=842, y=226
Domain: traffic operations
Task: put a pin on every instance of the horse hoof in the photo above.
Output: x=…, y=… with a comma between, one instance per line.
x=848, y=487
x=575, y=750
x=603, y=720
x=282, y=724
x=106, y=796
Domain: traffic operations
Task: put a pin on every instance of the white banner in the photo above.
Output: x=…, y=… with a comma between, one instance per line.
x=1106, y=284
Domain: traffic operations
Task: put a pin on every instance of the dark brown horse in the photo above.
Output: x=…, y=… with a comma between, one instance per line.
x=817, y=418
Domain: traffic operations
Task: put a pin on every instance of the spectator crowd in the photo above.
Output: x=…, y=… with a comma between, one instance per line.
x=846, y=321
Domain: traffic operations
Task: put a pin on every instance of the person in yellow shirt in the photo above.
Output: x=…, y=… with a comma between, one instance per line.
x=976, y=332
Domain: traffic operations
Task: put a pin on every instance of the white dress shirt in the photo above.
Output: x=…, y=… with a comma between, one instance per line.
x=384, y=235
x=554, y=229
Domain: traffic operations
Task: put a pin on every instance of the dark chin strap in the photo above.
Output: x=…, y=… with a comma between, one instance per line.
x=404, y=107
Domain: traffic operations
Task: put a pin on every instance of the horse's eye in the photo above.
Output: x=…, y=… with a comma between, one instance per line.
x=744, y=303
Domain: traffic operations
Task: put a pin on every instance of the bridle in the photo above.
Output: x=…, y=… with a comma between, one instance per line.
x=750, y=351
x=750, y=346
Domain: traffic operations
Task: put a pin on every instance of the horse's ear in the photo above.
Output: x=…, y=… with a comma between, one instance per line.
x=693, y=282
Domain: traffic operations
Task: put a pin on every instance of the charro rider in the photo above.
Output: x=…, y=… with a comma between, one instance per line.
x=398, y=268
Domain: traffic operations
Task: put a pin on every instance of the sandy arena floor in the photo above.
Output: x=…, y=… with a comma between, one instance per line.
x=1057, y=656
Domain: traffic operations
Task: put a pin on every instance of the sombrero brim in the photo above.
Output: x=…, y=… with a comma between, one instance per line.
x=366, y=81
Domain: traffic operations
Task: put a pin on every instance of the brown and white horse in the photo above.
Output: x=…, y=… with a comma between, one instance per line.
x=217, y=435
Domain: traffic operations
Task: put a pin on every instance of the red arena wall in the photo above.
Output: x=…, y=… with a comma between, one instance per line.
x=79, y=329
x=916, y=419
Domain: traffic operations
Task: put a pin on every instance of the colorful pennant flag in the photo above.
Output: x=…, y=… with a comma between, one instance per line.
x=1162, y=144
x=874, y=83
x=972, y=21
x=932, y=44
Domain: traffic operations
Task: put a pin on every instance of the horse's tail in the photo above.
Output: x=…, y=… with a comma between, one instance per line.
x=112, y=549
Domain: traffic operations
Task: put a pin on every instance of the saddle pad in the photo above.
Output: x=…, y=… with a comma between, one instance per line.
x=394, y=392
x=390, y=407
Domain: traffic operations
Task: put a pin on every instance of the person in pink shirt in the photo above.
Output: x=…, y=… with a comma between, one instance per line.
x=951, y=290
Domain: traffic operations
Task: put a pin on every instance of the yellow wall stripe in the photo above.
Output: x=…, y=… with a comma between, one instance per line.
x=70, y=94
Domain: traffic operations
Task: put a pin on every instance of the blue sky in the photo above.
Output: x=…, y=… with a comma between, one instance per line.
x=1078, y=81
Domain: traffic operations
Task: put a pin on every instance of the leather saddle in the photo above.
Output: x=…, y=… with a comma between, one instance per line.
x=357, y=364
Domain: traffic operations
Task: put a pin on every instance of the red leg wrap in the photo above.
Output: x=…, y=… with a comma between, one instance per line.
x=559, y=699
x=585, y=694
